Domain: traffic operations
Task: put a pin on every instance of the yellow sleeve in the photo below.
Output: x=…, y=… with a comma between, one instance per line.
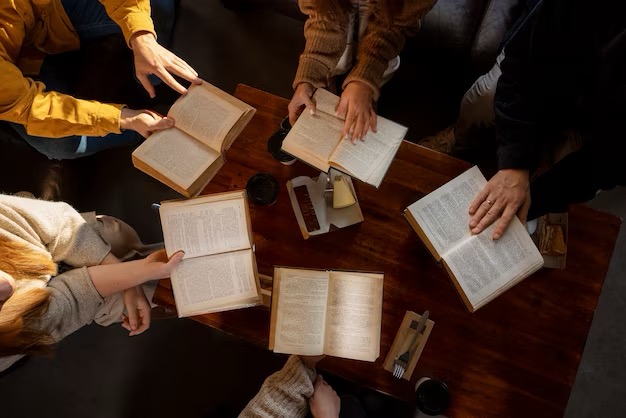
x=46, y=114
x=132, y=16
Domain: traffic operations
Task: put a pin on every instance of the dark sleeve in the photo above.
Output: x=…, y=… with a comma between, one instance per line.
x=517, y=103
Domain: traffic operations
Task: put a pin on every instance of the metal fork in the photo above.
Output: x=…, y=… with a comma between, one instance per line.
x=328, y=192
x=400, y=364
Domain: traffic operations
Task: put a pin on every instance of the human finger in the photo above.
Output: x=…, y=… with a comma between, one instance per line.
x=358, y=128
x=364, y=125
x=348, y=126
x=373, y=120
x=160, y=124
x=504, y=221
x=175, y=259
x=490, y=214
x=181, y=62
x=182, y=71
x=342, y=107
x=133, y=319
x=478, y=200
x=143, y=79
x=480, y=212
x=167, y=78
x=144, y=323
x=522, y=212
x=125, y=323
x=293, y=113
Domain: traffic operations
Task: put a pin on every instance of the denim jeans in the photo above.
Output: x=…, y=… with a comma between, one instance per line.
x=90, y=21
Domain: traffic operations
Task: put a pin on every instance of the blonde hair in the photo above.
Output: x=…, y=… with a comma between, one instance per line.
x=24, y=306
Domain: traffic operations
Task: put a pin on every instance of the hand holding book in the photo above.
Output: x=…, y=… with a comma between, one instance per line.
x=317, y=139
x=356, y=107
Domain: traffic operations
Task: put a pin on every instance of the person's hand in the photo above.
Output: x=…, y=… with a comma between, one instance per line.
x=356, y=105
x=159, y=265
x=504, y=196
x=324, y=403
x=138, y=309
x=311, y=361
x=7, y=286
x=145, y=122
x=301, y=98
x=152, y=58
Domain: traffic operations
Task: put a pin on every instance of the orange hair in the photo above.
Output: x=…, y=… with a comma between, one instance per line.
x=24, y=307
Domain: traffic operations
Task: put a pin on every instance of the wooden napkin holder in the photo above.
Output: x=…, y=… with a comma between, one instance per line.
x=397, y=344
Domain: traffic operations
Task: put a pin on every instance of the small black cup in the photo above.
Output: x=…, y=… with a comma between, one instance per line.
x=262, y=189
x=432, y=396
x=275, y=143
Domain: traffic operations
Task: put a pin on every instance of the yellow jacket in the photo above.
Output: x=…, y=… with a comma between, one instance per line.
x=28, y=30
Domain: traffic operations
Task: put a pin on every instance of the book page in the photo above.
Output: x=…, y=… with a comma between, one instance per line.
x=369, y=159
x=443, y=214
x=203, y=228
x=204, y=115
x=202, y=284
x=353, y=317
x=484, y=267
x=313, y=138
x=176, y=155
x=326, y=102
x=301, y=312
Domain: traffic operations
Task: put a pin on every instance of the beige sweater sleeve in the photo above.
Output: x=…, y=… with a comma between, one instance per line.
x=325, y=41
x=286, y=393
x=74, y=302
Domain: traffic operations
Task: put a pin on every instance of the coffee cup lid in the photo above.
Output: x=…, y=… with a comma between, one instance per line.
x=432, y=397
x=262, y=189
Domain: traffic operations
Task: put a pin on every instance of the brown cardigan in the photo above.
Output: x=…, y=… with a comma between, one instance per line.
x=326, y=41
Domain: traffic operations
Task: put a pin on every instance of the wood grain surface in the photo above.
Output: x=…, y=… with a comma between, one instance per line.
x=517, y=356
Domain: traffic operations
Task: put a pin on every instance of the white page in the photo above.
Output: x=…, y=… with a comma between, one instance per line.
x=313, y=138
x=301, y=312
x=353, y=317
x=199, y=227
x=368, y=160
x=443, y=214
x=204, y=282
x=483, y=267
x=205, y=115
x=176, y=155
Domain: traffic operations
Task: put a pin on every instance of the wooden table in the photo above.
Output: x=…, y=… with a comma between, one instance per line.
x=517, y=356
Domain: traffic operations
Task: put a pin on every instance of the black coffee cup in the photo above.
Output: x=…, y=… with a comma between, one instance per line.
x=432, y=396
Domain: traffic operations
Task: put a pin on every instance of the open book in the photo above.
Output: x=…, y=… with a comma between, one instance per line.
x=337, y=313
x=218, y=272
x=187, y=156
x=317, y=140
x=480, y=268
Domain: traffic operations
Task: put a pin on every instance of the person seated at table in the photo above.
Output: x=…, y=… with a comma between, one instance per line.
x=57, y=124
x=38, y=308
x=563, y=70
x=357, y=38
x=296, y=390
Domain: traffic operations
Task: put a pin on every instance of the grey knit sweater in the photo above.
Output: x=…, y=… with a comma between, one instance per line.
x=286, y=393
x=56, y=229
